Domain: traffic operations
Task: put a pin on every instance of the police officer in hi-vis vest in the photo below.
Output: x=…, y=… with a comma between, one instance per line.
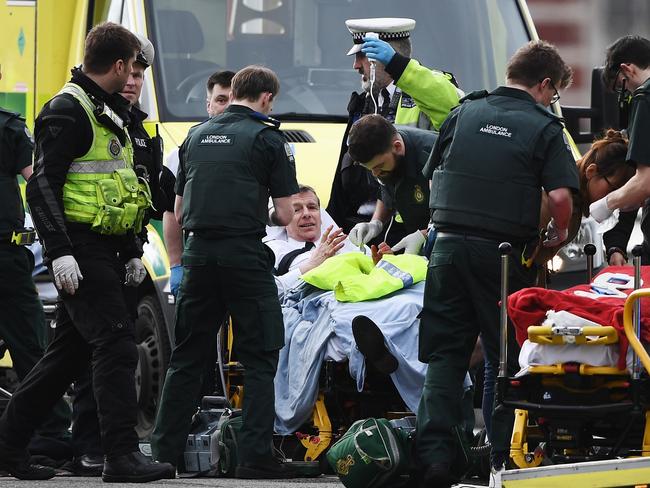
x=494, y=156
x=229, y=166
x=87, y=204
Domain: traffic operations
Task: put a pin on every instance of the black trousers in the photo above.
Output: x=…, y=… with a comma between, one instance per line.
x=94, y=327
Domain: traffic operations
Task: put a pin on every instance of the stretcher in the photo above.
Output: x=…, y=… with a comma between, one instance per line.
x=575, y=421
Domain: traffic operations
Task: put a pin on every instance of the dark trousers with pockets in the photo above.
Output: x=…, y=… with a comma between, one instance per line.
x=223, y=276
x=93, y=327
x=22, y=327
x=461, y=301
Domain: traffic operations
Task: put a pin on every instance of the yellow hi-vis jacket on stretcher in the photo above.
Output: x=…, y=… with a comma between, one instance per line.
x=354, y=277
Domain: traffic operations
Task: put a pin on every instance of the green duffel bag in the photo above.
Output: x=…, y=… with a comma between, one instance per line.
x=372, y=453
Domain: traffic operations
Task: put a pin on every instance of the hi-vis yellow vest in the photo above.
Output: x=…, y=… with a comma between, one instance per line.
x=101, y=187
x=354, y=277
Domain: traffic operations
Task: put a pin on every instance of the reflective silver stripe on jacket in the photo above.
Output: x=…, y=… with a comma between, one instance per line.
x=96, y=166
x=391, y=269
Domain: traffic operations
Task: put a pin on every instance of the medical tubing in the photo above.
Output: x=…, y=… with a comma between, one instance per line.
x=390, y=224
x=372, y=87
x=505, y=249
x=636, y=363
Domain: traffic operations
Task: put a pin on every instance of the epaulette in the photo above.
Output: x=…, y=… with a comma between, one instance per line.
x=475, y=95
x=548, y=113
x=265, y=119
x=10, y=115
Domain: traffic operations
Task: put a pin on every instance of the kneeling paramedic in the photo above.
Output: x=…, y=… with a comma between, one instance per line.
x=229, y=166
x=86, y=204
x=494, y=154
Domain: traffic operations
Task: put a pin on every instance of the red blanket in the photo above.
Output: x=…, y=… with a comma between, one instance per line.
x=529, y=306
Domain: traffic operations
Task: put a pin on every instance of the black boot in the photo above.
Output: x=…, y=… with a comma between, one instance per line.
x=86, y=465
x=135, y=467
x=16, y=463
x=438, y=475
x=268, y=470
x=370, y=341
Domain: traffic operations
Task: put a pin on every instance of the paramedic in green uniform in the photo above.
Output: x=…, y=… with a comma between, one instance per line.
x=395, y=155
x=229, y=166
x=494, y=154
x=627, y=69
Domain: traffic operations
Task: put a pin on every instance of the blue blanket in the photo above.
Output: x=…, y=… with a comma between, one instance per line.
x=314, y=317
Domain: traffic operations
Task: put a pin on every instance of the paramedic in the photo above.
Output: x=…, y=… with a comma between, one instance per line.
x=229, y=166
x=486, y=186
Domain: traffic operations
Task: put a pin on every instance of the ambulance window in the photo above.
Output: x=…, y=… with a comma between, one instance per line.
x=305, y=42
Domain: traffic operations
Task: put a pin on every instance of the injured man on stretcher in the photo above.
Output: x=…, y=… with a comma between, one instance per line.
x=330, y=288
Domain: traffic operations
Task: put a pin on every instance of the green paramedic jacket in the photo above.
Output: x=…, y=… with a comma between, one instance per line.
x=101, y=187
x=354, y=277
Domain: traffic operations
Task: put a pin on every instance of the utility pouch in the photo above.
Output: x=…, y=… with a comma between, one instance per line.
x=108, y=192
x=129, y=218
x=108, y=220
x=127, y=182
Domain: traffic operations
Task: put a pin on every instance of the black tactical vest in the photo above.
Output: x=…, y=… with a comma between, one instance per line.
x=222, y=191
x=12, y=212
x=487, y=181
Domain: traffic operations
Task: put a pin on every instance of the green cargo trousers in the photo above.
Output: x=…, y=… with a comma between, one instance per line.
x=223, y=276
x=23, y=328
x=461, y=301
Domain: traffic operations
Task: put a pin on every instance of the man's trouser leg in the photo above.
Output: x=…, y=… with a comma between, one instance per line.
x=86, y=435
x=448, y=332
x=22, y=327
x=43, y=386
x=199, y=312
x=99, y=313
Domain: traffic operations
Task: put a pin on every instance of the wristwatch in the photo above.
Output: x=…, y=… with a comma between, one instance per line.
x=613, y=250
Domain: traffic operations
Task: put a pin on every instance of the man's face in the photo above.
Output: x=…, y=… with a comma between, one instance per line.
x=133, y=87
x=217, y=100
x=121, y=71
x=306, y=223
x=362, y=65
x=382, y=165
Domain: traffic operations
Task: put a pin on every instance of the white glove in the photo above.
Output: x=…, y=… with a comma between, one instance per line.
x=135, y=272
x=411, y=244
x=66, y=273
x=365, y=232
x=600, y=211
x=554, y=236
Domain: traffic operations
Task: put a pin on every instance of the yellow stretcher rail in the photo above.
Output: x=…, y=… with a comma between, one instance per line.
x=590, y=335
x=628, y=326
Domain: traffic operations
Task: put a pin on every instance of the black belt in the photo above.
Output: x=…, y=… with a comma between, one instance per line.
x=23, y=237
x=467, y=237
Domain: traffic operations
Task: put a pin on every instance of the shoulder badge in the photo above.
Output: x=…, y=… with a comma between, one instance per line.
x=418, y=194
x=407, y=101
x=288, y=149
x=114, y=147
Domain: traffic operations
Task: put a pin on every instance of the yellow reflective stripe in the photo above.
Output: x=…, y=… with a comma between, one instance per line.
x=72, y=186
x=107, y=166
x=81, y=198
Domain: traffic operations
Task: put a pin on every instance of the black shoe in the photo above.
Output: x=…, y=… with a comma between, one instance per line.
x=438, y=475
x=135, y=467
x=273, y=469
x=370, y=341
x=87, y=465
x=16, y=463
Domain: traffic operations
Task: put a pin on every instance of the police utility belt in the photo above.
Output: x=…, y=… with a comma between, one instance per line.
x=23, y=237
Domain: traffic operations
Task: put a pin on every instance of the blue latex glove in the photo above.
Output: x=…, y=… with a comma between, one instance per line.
x=176, y=273
x=378, y=50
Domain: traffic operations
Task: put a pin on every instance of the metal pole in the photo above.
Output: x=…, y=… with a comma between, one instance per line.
x=636, y=364
x=505, y=249
x=590, y=250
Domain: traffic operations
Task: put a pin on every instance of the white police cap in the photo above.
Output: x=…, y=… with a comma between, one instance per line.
x=388, y=28
x=147, y=52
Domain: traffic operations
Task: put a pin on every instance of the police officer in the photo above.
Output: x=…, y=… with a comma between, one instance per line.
x=494, y=154
x=86, y=203
x=22, y=322
x=395, y=155
x=394, y=86
x=627, y=69
x=147, y=155
x=230, y=165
